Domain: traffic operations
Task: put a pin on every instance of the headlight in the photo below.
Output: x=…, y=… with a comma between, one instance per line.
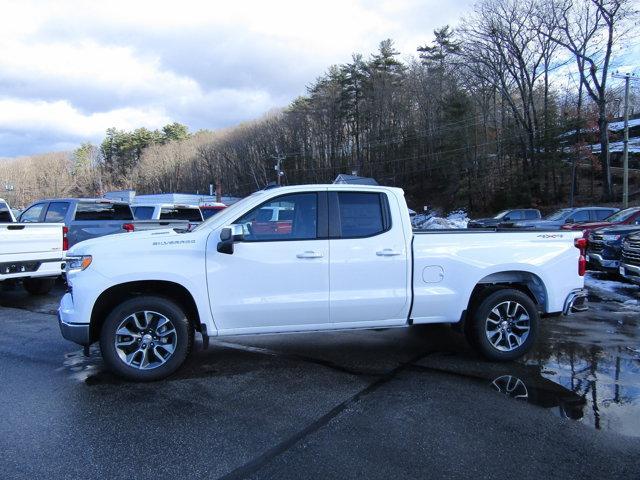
x=77, y=263
x=611, y=238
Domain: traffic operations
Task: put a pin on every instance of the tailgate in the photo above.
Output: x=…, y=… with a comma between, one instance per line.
x=30, y=238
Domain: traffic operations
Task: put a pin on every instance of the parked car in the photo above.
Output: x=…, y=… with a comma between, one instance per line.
x=83, y=218
x=167, y=212
x=514, y=215
x=210, y=209
x=32, y=253
x=628, y=216
x=568, y=216
x=604, y=248
x=6, y=214
x=630, y=261
x=347, y=260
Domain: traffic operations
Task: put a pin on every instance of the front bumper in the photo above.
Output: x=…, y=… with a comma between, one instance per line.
x=576, y=301
x=630, y=272
x=598, y=261
x=76, y=332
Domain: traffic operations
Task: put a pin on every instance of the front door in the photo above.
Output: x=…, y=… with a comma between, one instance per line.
x=277, y=279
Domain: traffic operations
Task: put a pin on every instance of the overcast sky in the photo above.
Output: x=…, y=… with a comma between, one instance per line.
x=71, y=69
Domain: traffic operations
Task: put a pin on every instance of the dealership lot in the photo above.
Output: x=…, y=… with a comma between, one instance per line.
x=375, y=404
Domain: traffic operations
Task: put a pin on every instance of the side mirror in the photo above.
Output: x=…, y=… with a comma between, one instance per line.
x=569, y=220
x=506, y=218
x=228, y=236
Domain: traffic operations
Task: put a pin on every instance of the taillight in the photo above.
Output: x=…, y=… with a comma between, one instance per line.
x=128, y=227
x=65, y=239
x=581, y=244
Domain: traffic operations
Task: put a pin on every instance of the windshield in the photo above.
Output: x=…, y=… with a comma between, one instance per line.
x=559, y=214
x=622, y=215
x=501, y=214
x=239, y=205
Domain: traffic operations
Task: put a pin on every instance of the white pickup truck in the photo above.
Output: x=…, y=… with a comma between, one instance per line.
x=32, y=253
x=344, y=257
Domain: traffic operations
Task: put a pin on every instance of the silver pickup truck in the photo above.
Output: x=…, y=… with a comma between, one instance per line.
x=86, y=218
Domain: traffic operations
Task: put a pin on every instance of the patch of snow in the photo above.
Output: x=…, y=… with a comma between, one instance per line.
x=617, y=291
x=617, y=147
x=430, y=221
x=619, y=126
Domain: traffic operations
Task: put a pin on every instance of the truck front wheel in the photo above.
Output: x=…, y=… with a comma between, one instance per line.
x=504, y=325
x=146, y=338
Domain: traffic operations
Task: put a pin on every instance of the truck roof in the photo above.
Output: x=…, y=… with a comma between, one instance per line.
x=163, y=205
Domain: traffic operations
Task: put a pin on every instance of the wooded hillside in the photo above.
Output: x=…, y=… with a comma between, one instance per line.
x=478, y=119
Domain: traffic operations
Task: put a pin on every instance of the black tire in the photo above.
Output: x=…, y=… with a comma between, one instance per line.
x=164, y=307
x=476, y=330
x=38, y=286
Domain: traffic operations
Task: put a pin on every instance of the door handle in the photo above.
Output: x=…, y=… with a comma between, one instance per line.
x=309, y=254
x=388, y=252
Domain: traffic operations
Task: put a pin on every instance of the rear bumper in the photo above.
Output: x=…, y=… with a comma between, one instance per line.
x=72, y=330
x=576, y=301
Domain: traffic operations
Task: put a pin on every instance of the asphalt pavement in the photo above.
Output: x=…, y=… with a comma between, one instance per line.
x=391, y=403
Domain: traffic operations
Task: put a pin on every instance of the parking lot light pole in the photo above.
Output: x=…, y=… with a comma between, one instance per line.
x=625, y=142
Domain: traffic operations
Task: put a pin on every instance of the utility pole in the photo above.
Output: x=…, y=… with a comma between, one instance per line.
x=625, y=142
x=278, y=167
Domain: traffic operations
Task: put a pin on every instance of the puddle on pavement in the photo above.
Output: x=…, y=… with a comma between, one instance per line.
x=601, y=366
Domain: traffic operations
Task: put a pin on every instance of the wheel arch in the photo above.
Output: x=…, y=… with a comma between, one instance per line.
x=116, y=294
x=527, y=282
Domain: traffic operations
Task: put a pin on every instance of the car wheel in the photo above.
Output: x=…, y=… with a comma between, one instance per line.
x=505, y=325
x=146, y=338
x=38, y=286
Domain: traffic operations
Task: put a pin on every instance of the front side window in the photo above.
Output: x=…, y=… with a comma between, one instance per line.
x=581, y=216
x=103, y=211
x=602, y=214
x=32, y=214
x=361, y=214
x=531, y=215
x=516, y=215
x=56, y=212
x=289, y=217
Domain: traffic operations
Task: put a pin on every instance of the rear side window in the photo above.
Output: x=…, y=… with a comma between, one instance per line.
x=32, y=214
x=362, y=214
x=191, y=214
x=56, y=212
x=5, y=214
x=143, y=213
x=103, y=211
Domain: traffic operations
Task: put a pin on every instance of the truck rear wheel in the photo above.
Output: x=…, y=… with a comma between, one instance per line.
x=504, y=325
x=146, y=338
x=38, y=286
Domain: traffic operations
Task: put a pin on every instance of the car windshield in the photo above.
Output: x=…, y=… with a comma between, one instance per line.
x=239, y=205
x=559, y=214
x=622, y=215
x=501, y=214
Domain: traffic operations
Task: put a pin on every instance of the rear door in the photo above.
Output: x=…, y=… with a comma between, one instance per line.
x=369, y=266
x=96, y=219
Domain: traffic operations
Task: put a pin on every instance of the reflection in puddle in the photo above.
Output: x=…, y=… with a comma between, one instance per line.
x=511, y=386
x=590, y=355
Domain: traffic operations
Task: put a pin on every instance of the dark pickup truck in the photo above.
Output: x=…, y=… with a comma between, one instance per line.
x=604, y=248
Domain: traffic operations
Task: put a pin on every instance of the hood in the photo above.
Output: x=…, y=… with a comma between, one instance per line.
x=119, y=241
x=619, y=230
x=484, y=220
x=539, y=223
x=586, y=226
